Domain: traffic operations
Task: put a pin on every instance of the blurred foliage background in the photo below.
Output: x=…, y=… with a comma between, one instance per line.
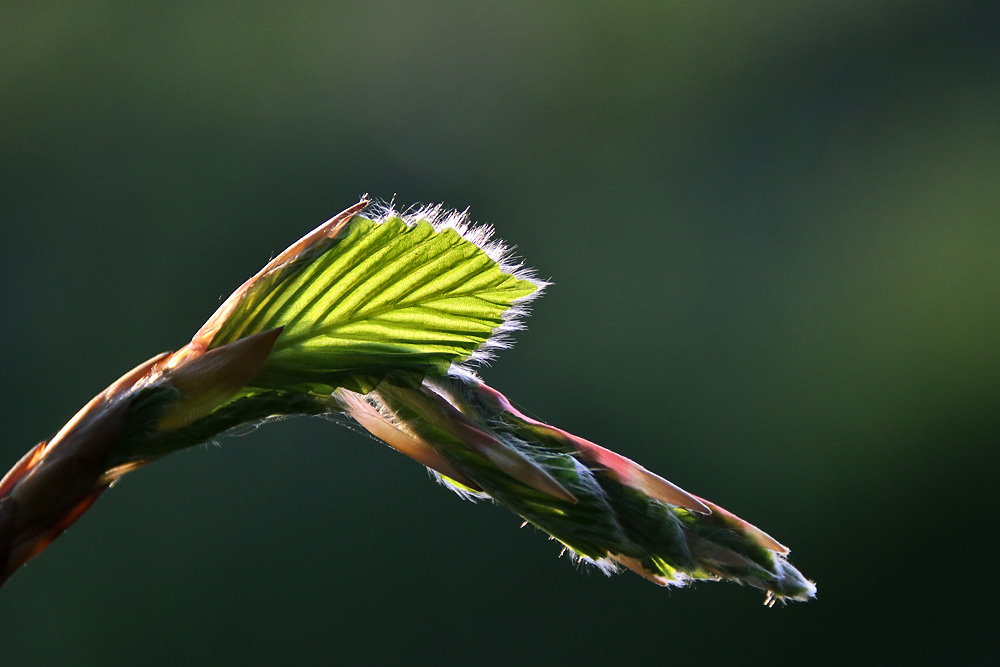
x=773, y=231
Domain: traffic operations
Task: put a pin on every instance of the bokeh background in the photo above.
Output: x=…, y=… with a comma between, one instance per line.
x=773, y=233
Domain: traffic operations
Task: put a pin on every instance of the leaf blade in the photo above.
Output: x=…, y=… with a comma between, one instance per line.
x=380, y=296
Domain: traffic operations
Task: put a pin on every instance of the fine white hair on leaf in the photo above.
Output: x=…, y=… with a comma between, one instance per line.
x=607, y=566
x=441, y=218
x=463, y=492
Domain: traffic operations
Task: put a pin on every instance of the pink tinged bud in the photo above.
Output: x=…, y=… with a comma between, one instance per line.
x=206, y=380
x=632, y=474
x=55, y=483
x=621, y=469
x=405, y=443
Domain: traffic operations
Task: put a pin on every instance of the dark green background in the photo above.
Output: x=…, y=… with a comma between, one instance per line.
x=773, y=231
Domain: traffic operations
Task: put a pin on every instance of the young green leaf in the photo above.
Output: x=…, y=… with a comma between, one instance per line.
x=378, y=297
